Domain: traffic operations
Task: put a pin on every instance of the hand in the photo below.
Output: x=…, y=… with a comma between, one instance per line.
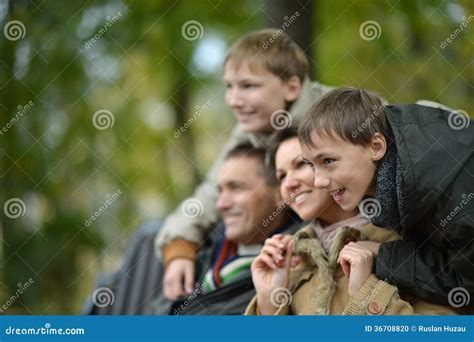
x=271, y=268
x=179, y=278
x=357, y=262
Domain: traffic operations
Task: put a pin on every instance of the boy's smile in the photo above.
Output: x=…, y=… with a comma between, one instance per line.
x=344, y=170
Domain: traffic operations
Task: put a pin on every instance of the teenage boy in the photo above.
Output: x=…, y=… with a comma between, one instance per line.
x=265, y=74
x=410, y=168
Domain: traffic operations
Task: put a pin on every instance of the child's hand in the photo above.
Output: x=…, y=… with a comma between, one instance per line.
x=179, y=278
x=270, y=270
x=357, y=262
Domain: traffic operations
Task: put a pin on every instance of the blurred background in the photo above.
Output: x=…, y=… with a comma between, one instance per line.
x=112, y=111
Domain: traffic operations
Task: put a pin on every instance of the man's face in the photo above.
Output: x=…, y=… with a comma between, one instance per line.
x=254, y=95
x=245, y=201
x=345, y=170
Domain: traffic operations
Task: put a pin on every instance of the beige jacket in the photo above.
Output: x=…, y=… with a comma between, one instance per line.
x=318, y=285
x=180, y=236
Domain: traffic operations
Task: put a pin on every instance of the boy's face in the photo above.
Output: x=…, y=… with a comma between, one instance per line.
x=255, y=94
x=345, y=170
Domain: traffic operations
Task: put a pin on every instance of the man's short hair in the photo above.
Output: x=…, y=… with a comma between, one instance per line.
x=353, y=114
x=267, y=171
x=271, y=49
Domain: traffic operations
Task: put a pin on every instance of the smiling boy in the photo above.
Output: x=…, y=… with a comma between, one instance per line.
x=263, y=81
x=409, y=168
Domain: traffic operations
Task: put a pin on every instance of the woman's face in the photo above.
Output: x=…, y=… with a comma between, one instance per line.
x=296, y=182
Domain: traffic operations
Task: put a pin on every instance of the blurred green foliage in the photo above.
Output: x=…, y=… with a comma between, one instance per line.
x=142, y=70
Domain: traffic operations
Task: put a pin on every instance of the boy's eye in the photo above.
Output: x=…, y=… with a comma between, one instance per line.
x=327, y=161
x=249, y=85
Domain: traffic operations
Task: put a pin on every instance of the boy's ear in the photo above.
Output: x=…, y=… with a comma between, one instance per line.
x=378, y=146
x=293, y=88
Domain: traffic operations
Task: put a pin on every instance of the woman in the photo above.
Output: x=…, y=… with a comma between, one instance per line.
x=322, y=270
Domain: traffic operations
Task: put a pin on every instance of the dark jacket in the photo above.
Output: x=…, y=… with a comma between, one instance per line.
x=436, y=255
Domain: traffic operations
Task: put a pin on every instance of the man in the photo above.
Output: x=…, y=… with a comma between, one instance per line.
x=252, y=210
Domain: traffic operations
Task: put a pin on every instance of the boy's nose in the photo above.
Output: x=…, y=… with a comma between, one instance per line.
x=321, y=182
x=234, y=99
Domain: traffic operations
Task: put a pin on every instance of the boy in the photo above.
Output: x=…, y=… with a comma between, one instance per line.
x=263, y=80
x=407, y=167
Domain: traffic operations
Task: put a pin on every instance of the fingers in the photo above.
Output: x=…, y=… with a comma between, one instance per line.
x=189, y=278
x=264, y=261
x=354, y=254
x=178, y=279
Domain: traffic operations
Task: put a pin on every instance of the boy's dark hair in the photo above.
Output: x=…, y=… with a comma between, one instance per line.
x=267, y=171
x=271, y=49
x=353, y=114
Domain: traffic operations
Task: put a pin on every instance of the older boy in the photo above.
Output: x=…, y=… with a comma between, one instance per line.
x=265, y=74
x=408, y=167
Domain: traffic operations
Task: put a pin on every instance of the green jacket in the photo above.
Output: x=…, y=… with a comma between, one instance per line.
x=436, y=256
